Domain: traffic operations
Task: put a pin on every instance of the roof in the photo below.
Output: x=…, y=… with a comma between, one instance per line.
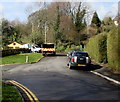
x=80, y=52
x=48, y=43
x=14, y=44
x=75, y=49
x=116, y=18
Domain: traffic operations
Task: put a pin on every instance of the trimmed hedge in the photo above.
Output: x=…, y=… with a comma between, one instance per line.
x=113, y=49
x=13, y=52
x=97, y=47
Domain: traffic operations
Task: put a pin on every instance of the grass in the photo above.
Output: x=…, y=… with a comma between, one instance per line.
x=10, y=94
x=0, y=90
x=21, y=58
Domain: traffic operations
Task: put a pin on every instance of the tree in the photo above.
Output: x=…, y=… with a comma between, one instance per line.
x=80, y=23
x=95, y=20
x=56, y=26
x=64, y=24
x=36, y=38
x=107, y=24
x=12, y=31
x=8, y=32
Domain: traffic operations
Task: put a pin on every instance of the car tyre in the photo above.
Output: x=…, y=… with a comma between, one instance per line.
x=44, y=54
x=54, y=54
x=69, y=66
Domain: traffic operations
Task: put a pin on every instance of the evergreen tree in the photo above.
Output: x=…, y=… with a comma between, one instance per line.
x=79, y=21
x=95, y=20
x=56, y=26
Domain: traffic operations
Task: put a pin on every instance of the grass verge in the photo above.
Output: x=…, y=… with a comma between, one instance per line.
x=10, y=94
x=21, y=58
x=0, y=90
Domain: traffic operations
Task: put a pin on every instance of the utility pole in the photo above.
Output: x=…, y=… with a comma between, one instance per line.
x=45, y=33
x=45, y=5
x=32, y=27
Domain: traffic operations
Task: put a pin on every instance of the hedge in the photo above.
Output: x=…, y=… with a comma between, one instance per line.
x=13, y=52
x=113, y=49
x=60, y=49
x=97, y=47
x=66, y=49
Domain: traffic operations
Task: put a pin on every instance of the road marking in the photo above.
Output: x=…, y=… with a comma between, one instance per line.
x=33, y=95
x=24, y=91
x=29, y=93
x=105, y=77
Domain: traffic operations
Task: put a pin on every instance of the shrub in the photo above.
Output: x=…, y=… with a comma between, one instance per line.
x=67, y=49
x=13, y=51
x=97, y=48
x=113, y=49
x=74, y=47
x=60, y=49
x=71, y=47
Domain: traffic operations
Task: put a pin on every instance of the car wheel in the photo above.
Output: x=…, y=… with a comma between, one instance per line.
x=69, y=66
x=89, y=66
x=54, y=54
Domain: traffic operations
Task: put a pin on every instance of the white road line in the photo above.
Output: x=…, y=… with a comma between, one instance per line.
x=103, y=76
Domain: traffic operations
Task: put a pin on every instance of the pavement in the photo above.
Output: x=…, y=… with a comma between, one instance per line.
x=107, y=73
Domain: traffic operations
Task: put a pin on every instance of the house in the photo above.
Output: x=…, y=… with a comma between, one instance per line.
x=116, y=20
x=14, y=45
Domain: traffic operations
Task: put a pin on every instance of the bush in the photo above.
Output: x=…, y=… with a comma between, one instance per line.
x=113, y=49
x=71, y=47
x=74, y=47
x=60, y=49
x=13, y=51
x=67, y=49
x=97, y=48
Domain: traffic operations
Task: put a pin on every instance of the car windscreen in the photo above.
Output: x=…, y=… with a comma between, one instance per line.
x=37, y=46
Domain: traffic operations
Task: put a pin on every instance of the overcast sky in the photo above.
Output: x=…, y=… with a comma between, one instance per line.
x=18, y=9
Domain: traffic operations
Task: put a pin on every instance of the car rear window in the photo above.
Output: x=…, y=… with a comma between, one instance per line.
x=80, y=54
x=48, y=45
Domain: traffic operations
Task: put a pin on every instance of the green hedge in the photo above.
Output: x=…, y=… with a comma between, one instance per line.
x=113, y=49
x=97, y=48
x=13, y=51
x=60, y=49
x=67, y=49
x=71, y=47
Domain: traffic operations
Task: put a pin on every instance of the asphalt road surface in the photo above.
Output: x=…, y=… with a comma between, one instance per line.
x=50, y=79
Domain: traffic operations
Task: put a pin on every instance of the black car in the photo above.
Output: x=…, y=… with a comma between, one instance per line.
x=71, y=51
x=79, y=59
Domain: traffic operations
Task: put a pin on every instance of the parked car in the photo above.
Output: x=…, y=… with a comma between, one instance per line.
x=33, y=47
x=71, y=51
x=79, y=59
x=36, y=49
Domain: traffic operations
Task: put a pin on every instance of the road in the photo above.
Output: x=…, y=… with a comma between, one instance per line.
x=50, y=79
